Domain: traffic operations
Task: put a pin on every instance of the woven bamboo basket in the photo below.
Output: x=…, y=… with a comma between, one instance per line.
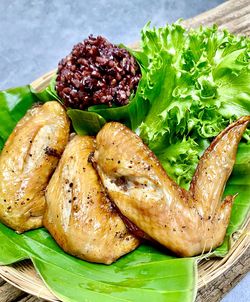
x=216, y=276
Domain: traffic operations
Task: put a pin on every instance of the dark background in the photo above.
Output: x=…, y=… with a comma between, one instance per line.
x=35, y=35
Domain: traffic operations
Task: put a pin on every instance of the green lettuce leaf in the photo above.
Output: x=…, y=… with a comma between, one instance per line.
x=197, y=82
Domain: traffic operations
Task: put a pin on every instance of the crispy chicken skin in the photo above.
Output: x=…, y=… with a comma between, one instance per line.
x=186, y=222
x=27, y=161
x=79, y=215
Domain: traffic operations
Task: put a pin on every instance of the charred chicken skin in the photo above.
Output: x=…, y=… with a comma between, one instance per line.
x=186, y=222
x=27, y=161
x=79, y=215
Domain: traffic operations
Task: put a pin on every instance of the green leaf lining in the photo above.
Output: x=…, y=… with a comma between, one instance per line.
x=146, y=273
x=85, y=123
x=14, y=103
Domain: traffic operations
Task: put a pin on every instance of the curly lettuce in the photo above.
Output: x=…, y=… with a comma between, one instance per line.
x=196, y=82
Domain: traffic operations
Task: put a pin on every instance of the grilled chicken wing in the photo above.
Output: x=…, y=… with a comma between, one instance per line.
x=79, y=215
x=27, y=161
x=186, y=222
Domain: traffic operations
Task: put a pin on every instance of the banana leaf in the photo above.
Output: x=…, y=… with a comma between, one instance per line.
x=238, y=183
x=49, y=93
x=14, y=103
x=148, y=273
x=92, y=121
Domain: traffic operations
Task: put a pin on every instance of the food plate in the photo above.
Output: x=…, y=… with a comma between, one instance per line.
x=210, y=272
x=24, y=276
